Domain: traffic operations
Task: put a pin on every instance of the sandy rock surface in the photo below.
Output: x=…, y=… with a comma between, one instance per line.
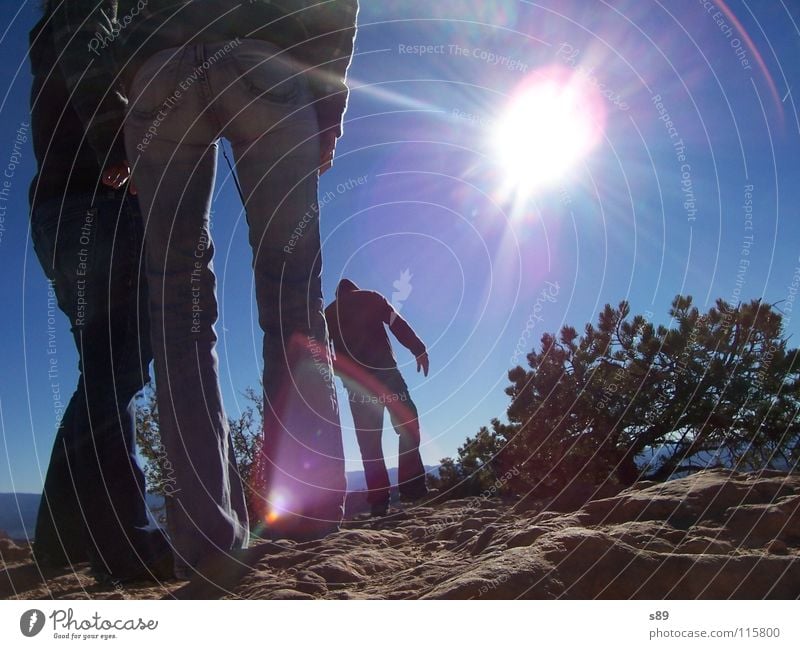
x=715, y=535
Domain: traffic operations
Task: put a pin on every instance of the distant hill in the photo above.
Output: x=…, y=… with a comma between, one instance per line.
x=18, y=511
x=357, y=482
x=18, y=514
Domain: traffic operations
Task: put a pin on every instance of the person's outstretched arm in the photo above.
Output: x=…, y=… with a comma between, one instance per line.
x=409, y=339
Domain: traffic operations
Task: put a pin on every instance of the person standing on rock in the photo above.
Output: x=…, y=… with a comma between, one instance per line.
x=364, y=360
x=87, y=234
x=270, y=78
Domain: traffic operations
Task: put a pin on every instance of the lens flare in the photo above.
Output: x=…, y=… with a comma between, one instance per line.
x=554, y=119
x=279, y=506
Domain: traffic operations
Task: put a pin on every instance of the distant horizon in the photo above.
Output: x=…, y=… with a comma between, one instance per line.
x=360, y=473
x=356, y=483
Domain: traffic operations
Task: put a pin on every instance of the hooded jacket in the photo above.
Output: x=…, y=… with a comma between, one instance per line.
x=357, y=322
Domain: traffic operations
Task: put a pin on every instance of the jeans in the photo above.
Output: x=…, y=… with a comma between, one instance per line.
x=387, y=390
x=93, y=500
x=182, y=101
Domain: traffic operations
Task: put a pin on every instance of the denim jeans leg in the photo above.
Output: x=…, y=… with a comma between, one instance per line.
x=274, y=136
x=89, y=248
x=302, y=431
x=405, y=420
x=61, y=534
x=368, y=422
x=175, y=178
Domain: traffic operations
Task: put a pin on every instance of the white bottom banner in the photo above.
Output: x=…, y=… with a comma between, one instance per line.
x=389, y=624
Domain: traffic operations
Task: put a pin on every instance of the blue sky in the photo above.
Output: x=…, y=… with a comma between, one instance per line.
x=645, y=214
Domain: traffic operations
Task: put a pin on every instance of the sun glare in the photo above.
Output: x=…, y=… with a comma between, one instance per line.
x=553, y=120
x=279, y=506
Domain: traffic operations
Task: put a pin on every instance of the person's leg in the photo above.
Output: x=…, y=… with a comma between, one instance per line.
x=368, y=422
x=405, y=419
x=174, y=166
x=273, y=131
x=93, y=493
x=60, y=538
x=118, y=353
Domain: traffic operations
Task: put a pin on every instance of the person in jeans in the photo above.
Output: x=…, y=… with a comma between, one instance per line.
x=366, y=364
x=271, y=81
x=88, y=239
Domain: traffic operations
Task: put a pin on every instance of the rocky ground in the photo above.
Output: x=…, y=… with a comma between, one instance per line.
x=714, y=535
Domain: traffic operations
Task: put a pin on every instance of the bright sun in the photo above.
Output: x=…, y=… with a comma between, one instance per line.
x=553, y=120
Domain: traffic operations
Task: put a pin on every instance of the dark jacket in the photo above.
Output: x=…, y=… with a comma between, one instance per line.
x=357, y=322
x=91, y=76
x=318, y=33
x=67, y=164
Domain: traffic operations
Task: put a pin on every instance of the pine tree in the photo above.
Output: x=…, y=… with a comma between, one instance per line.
x=630, y=400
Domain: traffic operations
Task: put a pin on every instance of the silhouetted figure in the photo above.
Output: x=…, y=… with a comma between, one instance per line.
x=357, y=321
x=88, y=239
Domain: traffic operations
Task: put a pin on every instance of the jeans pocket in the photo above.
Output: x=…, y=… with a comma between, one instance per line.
x=155, y=82
x=268, y=75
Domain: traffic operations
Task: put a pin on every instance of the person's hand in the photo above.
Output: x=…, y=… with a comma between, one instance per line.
x=327, y=143
x=422, y=363
x=116, y=175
